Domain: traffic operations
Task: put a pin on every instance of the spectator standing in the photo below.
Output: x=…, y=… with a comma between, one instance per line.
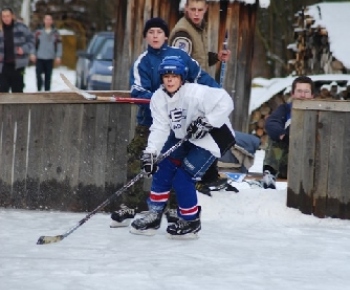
x=277, y=127
x=16, y=44
x=190, y=34
x=48, y=52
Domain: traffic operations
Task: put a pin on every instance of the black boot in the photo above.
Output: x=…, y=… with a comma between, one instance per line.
x=184, y=229
x=122, y=217
x=148, y=224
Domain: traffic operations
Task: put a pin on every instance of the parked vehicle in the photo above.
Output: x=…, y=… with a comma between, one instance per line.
x=101, y=67
x=85, y=57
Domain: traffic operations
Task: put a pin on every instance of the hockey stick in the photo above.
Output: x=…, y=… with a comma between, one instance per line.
x=43, y=240
x=92, y=97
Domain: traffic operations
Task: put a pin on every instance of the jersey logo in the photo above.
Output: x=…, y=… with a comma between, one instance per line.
x=176, y=116
x=183, y=43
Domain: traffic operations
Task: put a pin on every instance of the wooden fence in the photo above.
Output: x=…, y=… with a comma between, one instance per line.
x=319, y=158
x=59, y=151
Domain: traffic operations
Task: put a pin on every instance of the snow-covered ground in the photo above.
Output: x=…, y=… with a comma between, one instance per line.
x=57, y=83
x=249, y=240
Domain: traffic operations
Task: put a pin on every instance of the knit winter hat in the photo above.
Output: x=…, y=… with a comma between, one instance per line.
x=156, y=22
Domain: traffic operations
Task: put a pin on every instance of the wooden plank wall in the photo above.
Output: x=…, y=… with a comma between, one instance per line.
x=236, y=17
x=318, y=167
x=215, y=38
x=239, y=72
x=68, y=155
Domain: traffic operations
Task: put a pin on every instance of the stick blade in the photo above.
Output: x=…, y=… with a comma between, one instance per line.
x=44, y=240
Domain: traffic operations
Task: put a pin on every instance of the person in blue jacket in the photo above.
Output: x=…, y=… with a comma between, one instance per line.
x=277, y=127
x=144, y=81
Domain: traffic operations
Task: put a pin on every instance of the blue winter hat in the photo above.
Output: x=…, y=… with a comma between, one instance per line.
x=156, y=22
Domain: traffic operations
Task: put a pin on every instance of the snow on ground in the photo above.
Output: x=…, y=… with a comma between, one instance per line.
x=249, y=240
x=57, y=83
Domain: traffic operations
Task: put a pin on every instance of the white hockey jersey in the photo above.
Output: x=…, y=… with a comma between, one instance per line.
x=176, y=113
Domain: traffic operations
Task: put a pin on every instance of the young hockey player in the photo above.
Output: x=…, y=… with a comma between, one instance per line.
x=182, y=109
x=190, y=34
x=144, y=81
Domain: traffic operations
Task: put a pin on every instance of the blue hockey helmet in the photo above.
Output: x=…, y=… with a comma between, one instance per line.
x=173, y=65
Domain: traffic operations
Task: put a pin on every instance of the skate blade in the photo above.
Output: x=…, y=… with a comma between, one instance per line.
x=149, y=232
x=190, y=236
x=124, y=224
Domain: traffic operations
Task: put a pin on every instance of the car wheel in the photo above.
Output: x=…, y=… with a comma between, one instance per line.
x=82, y=86
x=77, y=84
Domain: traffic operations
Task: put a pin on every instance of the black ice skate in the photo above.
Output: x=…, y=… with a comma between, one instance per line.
x=171, y=215
x=207, y=187
x=122, y=217
x=183, y=229
x=147, y=225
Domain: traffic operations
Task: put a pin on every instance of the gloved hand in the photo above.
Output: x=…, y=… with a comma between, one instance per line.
x=149, y=167
x=199, y=128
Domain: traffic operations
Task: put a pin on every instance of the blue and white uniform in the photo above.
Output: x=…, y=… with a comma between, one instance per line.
x=171, y=118
x=177, y=112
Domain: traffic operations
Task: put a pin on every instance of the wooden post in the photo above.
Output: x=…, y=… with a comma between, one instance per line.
x=214, y=32
x=238, y=78
x=319, y=158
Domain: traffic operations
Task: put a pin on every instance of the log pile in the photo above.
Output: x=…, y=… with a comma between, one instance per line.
x=311, y=50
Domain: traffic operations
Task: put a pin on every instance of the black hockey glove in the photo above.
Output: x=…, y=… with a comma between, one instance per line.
x=149, y=167
x=199, y=128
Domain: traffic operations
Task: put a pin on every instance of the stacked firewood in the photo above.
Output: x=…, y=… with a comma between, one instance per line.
x=258, y=116
x=311, y=51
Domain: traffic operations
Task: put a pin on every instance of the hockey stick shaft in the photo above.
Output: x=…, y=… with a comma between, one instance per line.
x=92, y=97
x=43, y=240
x=123, y=100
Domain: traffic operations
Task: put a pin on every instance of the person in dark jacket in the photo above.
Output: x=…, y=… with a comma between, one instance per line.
x=277, y=128
x=144, y=81
x=48, y=52
x=16, y=44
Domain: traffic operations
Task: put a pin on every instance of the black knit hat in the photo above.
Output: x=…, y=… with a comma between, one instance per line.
x=156, y=22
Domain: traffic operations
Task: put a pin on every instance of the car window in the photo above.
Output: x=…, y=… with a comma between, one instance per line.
x=106, y=50
x=95, y=44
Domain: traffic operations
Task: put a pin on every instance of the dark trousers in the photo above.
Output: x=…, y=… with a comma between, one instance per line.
x=44, y=66
x=11, y=78
x=212, y=174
